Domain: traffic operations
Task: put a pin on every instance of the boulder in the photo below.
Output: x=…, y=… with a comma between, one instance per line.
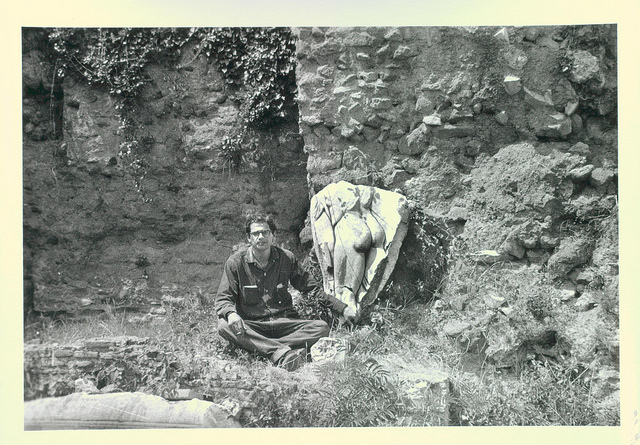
x=329, y=349
x=416, y=142
x=36, y=72
x=584, y=66
x=572, y=252
x=426, y=386
x=601, y=177
x=550, y=126
x=586, y=332
x=434, y=120
x=581, y=174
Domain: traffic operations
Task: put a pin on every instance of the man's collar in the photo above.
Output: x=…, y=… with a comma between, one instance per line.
x=273, y=255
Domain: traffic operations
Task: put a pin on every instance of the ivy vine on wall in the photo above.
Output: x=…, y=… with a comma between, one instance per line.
x=258, y=65
x=115, y=57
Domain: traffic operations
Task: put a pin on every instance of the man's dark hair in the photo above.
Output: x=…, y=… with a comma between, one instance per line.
x=259, y=218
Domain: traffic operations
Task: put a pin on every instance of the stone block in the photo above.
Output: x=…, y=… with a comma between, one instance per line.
x=368, y=76
x=455, y=131
x=457, y=214
x=548, y=42
x=99, y=345
x=398, y=177
x=493, y=301
x=601, y=177
x=403, y=53
x=81, y=364
x=502, y=118
x=454, y=328
x=564, y=95
x=531, y=34
x=393, y=35
x=584, y=66
x=311, y=120
x=342, y=90
x=381, y=103
x=571, y=108
x=325, y=162
x=537, y=99
x=571, y=253
x=581, y=174
x=122, y=410
x=370, y=133
x=576, y=123
x=414, y=143
x=384, y=51
x=538, y=256
x=329, y=349
x=359, y=39
x=433, y=120
x=551, y=126
x=513, y=247
x=353, y=158
x=321, y=131
x=424, y=105
x=317, y=32
x=512, y=85
x=62, y=353
x=328, y=47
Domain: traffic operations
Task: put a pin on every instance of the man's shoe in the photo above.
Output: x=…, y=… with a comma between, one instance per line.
x=293, y=359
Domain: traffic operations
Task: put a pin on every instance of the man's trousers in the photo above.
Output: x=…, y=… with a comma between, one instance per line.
x=274, y=338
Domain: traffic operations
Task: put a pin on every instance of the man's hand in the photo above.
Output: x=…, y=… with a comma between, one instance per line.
x=236, y=323
x=349, y=314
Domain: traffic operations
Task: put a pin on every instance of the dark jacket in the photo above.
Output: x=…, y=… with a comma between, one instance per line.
x=257, y=294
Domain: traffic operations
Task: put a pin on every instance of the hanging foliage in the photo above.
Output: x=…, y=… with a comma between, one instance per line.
x=260, y=59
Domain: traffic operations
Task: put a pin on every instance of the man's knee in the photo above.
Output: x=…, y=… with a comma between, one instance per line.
x=321, y=328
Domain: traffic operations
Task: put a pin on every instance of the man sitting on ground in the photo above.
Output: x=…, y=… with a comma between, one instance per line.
x=254, y=306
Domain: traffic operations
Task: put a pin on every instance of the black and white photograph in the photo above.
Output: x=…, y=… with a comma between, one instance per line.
x=341, y=227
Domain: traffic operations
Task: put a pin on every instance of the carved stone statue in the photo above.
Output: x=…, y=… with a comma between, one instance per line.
x=357, y=233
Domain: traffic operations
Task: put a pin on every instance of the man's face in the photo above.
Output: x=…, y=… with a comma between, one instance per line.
x=260, y=237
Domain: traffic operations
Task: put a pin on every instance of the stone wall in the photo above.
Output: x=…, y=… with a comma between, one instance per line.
x=109, y=365
x=487, y=130
x=414, y=107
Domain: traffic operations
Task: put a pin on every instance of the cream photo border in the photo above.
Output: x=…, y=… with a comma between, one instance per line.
x=76, y=13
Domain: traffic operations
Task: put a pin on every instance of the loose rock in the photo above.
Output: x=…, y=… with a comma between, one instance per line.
x=584, y=66
x=512, y=85
x=456, y=327
x=502, y=118
x=581, y=174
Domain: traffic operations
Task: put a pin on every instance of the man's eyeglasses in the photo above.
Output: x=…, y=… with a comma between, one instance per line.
x=257, y=233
